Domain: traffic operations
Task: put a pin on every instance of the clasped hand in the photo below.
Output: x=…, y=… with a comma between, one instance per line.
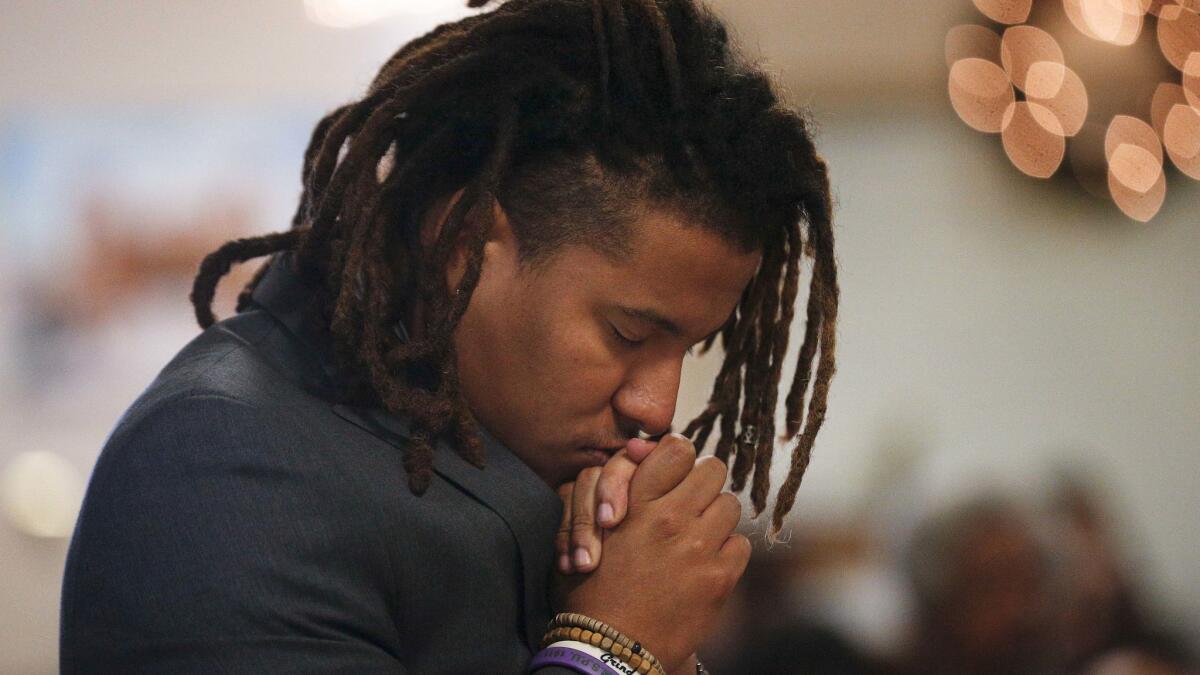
x=664, y=573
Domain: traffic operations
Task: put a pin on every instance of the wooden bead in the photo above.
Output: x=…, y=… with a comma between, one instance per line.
x=574, y=633
x=596, y=638
x=634, y=662
x=606, y=644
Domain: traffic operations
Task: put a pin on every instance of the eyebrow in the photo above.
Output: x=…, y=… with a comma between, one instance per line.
x=661, y=321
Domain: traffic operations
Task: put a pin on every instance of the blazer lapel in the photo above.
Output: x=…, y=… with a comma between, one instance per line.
x=508, y=487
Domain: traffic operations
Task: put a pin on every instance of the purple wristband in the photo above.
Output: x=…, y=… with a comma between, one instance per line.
x=570, y=658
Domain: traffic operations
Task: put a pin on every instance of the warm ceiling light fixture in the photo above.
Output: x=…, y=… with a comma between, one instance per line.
x=355, y=13
x=1016, y=82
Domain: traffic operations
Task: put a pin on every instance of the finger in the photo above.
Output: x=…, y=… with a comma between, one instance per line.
x=562, y=540
x=639, y=448
x=663, y=469
x=612, y=492
x=735, y=552
x=702, y=485
x=585, y=533
x=722, y=516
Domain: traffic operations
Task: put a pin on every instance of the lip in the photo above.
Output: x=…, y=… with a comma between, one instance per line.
x=599, y=456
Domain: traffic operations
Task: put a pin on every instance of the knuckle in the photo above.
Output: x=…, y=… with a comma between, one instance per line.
x=718, y=464
x=731, y=503
x=680, y=451
x=725, y=582
x=741, y=550
x=669, y=524
x=611, y=480
x=581, y=521
x=716, y=580
x=589, y=474
x=581, y=539
x=712, y=465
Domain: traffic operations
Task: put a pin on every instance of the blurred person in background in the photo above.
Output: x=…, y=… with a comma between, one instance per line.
x=1103, y=624
x=501, y=257
x=982, y=586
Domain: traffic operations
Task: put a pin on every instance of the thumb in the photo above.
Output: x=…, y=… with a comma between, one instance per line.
x=612, y=492
x=666, y=466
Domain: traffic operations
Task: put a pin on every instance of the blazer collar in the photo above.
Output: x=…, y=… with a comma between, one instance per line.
x=506, y=485
x=286, y=295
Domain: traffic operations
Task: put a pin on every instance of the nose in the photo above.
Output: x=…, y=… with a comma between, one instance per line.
x=649, y=394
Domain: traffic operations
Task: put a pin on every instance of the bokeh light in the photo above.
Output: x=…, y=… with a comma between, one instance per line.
x=1126, y=129
x=1033, y=139
x=1166, y=96
x=1117, y=22
x=1140, y=206
x=980, y=93
x=1135, y=167
x=355, y=13
x=1005, y=11
x=1023, y=46
x=1181, y=136
x=1059, y=90
x=1136, y=180
x=1191, y=80
x=1178, y=34
x=1155, y=7
x=41, y=493
x=1123, y=160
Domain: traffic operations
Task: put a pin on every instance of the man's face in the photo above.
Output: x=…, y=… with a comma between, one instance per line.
x=564, y=362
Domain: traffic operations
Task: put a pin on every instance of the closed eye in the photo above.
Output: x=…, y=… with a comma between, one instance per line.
x=622, y=339
x=628, y=342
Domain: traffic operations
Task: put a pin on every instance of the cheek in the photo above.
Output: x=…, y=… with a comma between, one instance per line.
x=575, y=364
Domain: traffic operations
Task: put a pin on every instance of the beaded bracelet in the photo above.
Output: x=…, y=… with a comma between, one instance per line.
x=567, y=635
x=571, y=626
x=613, y=640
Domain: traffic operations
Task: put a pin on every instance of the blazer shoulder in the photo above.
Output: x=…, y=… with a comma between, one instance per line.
x=210, y=503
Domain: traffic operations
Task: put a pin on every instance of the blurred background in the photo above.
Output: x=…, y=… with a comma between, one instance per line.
x=1007, y=478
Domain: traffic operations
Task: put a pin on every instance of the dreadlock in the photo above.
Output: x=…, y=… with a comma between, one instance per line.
x=562, y=107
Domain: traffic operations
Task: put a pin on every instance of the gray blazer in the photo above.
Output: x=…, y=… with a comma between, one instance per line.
x=239, y=520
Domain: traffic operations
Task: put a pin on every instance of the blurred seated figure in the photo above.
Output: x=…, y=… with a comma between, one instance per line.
x=981, y=580
x=1104, y=629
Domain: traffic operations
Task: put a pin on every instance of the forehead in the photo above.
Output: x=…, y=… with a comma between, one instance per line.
x=678, y=270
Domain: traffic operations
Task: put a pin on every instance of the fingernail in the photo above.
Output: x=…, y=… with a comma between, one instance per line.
x=582, y=557
x=605, y=513
x=564, y=563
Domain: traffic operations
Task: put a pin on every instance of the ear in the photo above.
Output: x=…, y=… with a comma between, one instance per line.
x=500, y=246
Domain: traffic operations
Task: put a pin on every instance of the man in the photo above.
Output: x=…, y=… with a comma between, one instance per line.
x=502, y=255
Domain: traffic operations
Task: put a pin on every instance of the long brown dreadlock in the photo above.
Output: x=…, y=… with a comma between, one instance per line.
x=562, y=107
